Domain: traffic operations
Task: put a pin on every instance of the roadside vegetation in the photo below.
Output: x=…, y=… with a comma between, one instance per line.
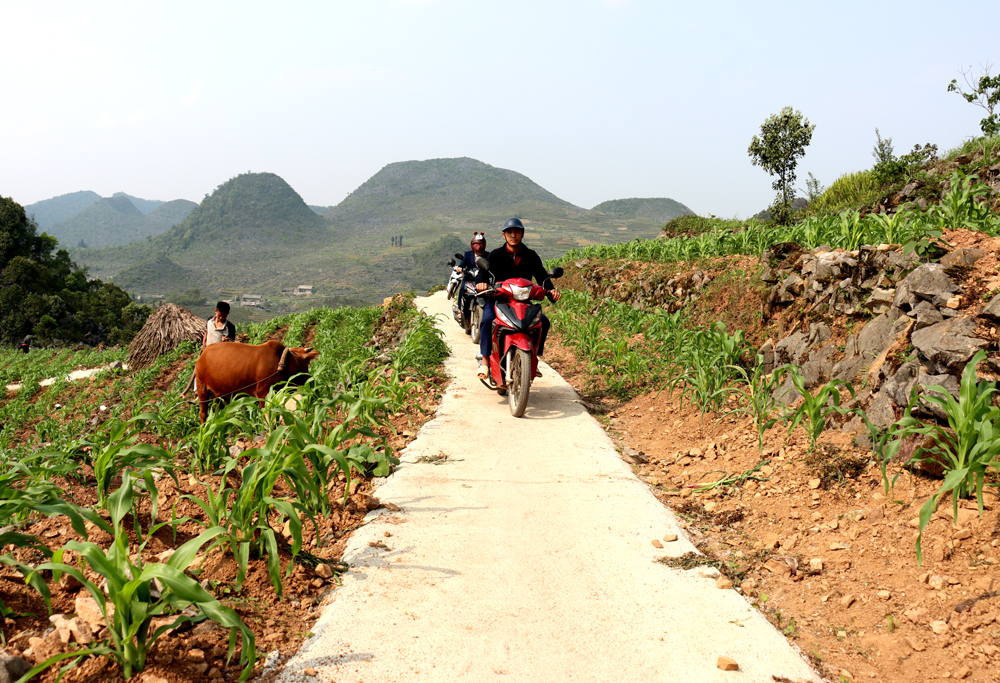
x=164, y=523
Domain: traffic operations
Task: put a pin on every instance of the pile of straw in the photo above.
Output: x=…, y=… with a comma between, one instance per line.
x=167, y=327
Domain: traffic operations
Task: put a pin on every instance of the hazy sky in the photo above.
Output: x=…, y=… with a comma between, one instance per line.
x=592, y=99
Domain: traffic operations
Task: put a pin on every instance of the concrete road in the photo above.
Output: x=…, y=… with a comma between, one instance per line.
x=525, y=554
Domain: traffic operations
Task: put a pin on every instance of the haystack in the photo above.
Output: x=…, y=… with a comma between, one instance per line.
x=167, y=327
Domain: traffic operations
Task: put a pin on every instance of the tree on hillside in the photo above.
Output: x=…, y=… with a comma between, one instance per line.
x=783, y=139
x=983, y=93
x=43, y=293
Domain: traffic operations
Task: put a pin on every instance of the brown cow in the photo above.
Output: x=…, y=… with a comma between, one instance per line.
x=224, y=370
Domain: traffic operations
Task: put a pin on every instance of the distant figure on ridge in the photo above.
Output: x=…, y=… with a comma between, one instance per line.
x=26, y=344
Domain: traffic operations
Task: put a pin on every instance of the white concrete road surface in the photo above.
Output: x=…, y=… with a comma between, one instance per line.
x=527, y=555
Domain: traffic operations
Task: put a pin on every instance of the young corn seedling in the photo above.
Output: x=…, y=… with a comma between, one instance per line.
x=115, y=450
x=243, y=513
x=814, y=410
x=756, y=398
x=969, y=451
x=136, y=593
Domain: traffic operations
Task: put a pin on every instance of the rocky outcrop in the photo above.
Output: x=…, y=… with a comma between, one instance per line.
x=643, y=290
x=918, y=338
x=839, y=281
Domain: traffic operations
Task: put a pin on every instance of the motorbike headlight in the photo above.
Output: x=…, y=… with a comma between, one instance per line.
x=520, y=293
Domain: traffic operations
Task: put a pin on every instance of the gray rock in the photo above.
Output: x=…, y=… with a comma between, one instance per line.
x=819, y=333
x=849, y=368
x=928, y=282
x=949, y=383
x=786, y=393
x=962, y=257
x=819, y=366
x=880, y=412
x=948, y=345
x=880, y=300
x=851, y=346
x=897, y=262
x=832, y=265
x=12, y=668
x=926, y=314
x=881, y=331
x=793, y=285
x=991, y=311
x=791, y=349
x=898, y=386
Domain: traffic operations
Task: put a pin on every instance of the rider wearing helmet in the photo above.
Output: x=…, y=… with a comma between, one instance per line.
x=511, y=260
x=478, y=245
x=478, y=249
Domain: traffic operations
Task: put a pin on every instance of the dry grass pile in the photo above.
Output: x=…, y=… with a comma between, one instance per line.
x=164, y=330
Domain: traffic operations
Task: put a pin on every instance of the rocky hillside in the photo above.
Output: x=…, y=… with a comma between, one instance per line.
x=657, y=209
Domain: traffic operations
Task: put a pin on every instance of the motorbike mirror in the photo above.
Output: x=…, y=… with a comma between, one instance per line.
x=451, y=262
x=482, y=263
x=459, y=256
x=557, y=271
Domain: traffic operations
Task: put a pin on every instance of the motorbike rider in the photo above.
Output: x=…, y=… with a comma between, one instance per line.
x=478, y=249
x=512, y=260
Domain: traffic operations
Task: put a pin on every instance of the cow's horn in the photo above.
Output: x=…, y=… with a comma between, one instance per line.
x=308, y=349
x=284, y=357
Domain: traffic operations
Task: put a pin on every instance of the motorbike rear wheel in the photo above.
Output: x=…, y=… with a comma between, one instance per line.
x=477, y=319
x=520, y=380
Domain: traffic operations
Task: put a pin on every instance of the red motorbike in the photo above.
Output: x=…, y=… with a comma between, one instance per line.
x=516, y=333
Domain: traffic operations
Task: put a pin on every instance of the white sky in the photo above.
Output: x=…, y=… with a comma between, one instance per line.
x=592, y=99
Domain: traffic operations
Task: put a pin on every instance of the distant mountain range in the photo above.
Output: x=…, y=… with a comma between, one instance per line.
x=87, y=220
x=255, y=233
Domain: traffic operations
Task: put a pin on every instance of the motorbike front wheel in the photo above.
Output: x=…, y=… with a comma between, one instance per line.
x=520, y=380
x=477, y=319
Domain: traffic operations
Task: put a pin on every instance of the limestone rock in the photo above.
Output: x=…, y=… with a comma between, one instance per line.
x=991, y=311
x=948, y=345
x=12, y=667
x=962, y=257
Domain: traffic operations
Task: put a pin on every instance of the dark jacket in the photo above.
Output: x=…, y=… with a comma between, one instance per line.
x=468, y=261
x=530, y=266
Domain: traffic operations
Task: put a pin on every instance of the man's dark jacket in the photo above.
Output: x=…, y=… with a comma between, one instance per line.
x=529, y=267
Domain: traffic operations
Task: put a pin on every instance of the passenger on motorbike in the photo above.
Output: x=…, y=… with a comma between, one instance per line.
x=510, y=261
x=468, y=263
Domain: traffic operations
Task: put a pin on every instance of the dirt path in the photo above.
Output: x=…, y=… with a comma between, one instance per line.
x=523, y=551
x=70, y=377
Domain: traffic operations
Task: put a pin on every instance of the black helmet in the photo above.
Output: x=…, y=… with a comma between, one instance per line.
x=478, y=237
x=513, y=224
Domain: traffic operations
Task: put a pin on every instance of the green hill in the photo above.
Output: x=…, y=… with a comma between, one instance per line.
x=108, y=221
x=423, y=200
x=56, y=209
x=100, y=222
x=145, y=206
x=171, y=213
x=658, y=209
x=155, y=276
x=254, y=234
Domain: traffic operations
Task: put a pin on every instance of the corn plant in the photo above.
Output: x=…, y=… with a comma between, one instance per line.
x=114, y=450
x=814, y=410
x=243, y=513
x=138, y=592
x=965, y=205
x=756, y=397
x=969, y=451
x=209, y=445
